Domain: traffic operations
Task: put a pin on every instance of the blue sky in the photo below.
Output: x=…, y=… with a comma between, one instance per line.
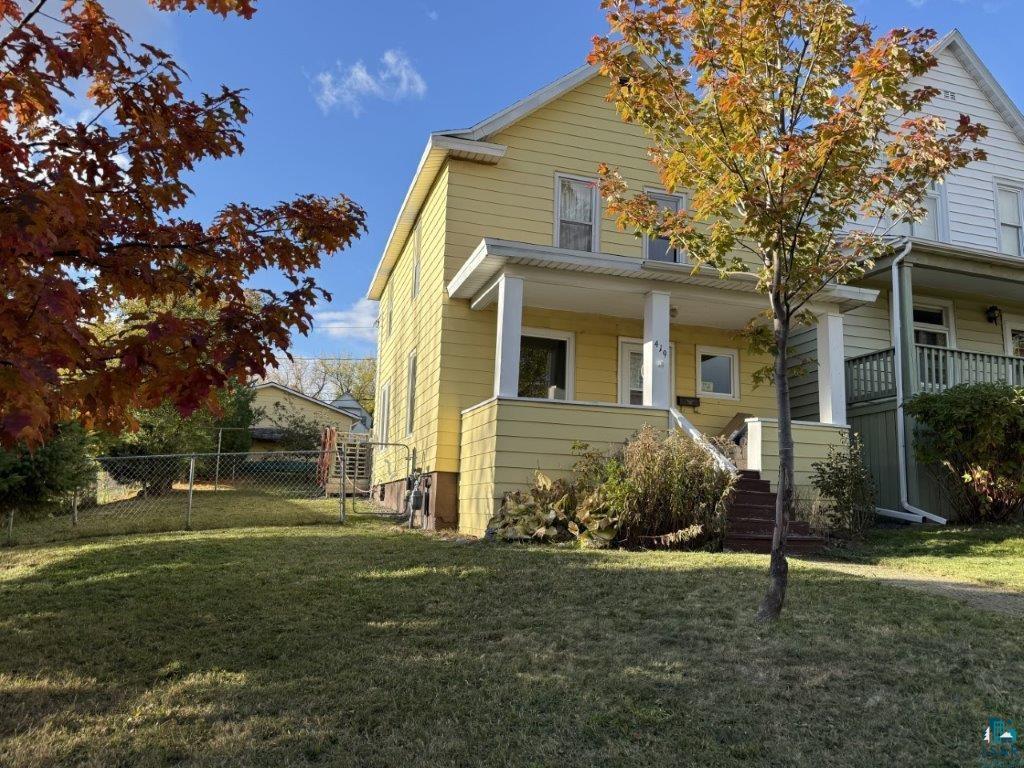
x=345, y=93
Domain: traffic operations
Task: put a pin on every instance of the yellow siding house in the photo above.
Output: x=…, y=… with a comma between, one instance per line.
x=515, y=318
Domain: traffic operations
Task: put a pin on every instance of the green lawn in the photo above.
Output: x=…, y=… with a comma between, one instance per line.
x=990, y=555
x=366, y=645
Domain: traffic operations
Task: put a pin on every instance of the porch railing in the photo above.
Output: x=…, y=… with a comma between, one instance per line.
x=939, y=368
x=871, y=377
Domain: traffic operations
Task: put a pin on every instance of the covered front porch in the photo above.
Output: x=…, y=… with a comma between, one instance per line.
x=590, y=347
x=956, y=317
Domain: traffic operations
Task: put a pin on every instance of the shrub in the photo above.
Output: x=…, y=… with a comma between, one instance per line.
x=846, y=504
x=33, y=482
x=546, y=512
x=668, y=490
x=657, y=492
x=975, y=432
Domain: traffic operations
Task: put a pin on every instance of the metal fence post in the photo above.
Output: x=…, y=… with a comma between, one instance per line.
x=216, y=471
x=10, y=526
x=74, y=508
x=191, y=485
x=341, y=485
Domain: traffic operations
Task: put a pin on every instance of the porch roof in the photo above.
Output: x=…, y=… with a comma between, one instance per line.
x=563, y=270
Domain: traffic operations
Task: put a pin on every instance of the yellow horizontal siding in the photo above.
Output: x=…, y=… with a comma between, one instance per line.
x=268, y=398
x=811, y=444
x=505, y=442
x=476, y=460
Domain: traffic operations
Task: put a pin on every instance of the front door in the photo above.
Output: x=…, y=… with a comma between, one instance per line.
x=631, y=372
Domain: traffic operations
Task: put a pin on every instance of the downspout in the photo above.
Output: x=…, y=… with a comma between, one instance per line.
x=901, y=422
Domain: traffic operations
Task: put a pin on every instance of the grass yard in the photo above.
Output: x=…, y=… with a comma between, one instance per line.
x=989, y=555
x=366, y=645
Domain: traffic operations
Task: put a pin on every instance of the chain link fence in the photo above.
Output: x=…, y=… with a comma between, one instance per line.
x=140, y=494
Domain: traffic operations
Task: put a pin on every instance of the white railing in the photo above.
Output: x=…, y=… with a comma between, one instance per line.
x=681, y=422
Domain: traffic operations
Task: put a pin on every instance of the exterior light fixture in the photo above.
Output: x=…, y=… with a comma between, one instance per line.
x=993, y=314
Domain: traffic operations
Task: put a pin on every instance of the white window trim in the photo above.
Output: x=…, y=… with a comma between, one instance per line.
x=415, y=281
x=623, y=391
x=683, y=201
x=410, y=392
x=948, y=308
x=729, y=351
x=1011, y=185
x=384, y=411
x=1011, y=323
x=595, y=244
x=570, y=357
x=941, y=214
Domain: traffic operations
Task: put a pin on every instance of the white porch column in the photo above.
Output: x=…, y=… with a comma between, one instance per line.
x=509, y=333
x=831, y=369
x=657, y=372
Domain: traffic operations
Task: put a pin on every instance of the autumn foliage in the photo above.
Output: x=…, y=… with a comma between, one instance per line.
x=91, y=220
x=801, y=138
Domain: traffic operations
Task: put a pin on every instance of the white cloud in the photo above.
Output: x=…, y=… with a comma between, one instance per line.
x=356, y=323
x=433, y=15
x=394, y=80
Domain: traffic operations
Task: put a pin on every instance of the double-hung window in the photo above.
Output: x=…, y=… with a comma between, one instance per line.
x=577, y=213
x=933, y=325
x=1011, y=220
x=383, y=418
x=410, y=396
x=658, y=248
x=933, y=225
x=416, y=262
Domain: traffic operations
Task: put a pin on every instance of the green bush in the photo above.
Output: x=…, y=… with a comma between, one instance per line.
x=846, y=504
x=975, y=432
x=33, y=482
x=658, y=491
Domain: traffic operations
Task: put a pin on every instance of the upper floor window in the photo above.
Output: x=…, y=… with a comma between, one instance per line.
x=933, y=225
x=576, y=213
x=658, y=248
x=933, y=325
x=1010, y=220
x=416, y=261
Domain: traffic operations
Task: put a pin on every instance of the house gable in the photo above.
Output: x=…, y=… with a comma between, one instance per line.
x=966, y=86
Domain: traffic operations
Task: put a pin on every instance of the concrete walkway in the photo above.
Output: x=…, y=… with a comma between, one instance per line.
x=984, y=598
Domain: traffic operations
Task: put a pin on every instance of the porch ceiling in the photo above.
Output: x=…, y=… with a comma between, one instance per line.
x=599, y=283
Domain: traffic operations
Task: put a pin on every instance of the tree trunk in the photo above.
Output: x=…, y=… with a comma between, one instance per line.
x=778, y=572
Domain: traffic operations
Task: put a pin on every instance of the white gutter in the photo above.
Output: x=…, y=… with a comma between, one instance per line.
x=912, y=513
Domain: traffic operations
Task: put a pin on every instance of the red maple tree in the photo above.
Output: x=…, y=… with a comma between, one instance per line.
x=91, y=220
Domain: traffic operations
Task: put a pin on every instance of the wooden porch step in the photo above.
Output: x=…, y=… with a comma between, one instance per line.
x=751, y=520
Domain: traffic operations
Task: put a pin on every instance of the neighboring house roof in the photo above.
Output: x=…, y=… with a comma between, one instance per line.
x=957, y=44
x=348, y=403
x=467, y=144
x=303, y=396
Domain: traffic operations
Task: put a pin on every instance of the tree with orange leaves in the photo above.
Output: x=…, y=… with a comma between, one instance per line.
x=90, y=220
x=785, y=120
